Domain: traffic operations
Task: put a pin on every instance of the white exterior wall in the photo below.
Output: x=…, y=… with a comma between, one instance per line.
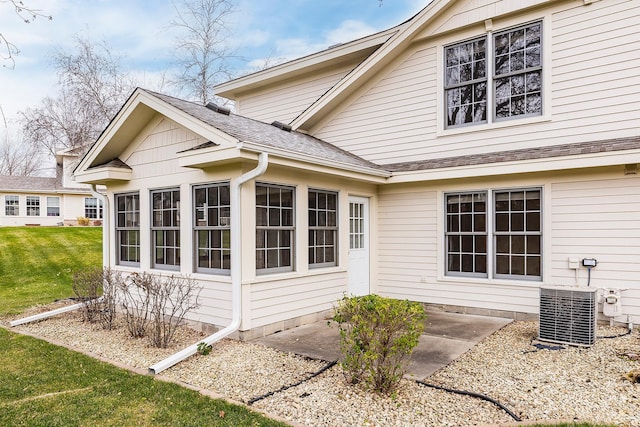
x=590, y=74
x=71, y=207
x=286, y=101
x=588, y=215
x=268, y=298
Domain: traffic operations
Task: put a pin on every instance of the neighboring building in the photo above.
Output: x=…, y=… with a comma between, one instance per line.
x=462, y=159
x=47, y=201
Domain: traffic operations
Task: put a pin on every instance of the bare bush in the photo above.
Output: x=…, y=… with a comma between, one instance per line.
x=87, y=287
x=110, y=282
x=171, y=299
x=135, y=302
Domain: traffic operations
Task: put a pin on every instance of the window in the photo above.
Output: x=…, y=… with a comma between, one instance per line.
x=212, y=228
x=92, y=208
x=274, y=228
x=11, y=205
x=323, y=228
x=128, y=228
x=516, y=70
x=53, y=206
x=33, y=205
x=517, y=234
x=165, y=228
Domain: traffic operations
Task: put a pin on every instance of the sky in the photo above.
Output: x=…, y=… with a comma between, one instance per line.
x=138, y=31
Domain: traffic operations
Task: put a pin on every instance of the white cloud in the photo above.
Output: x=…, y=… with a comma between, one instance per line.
x=347, y=31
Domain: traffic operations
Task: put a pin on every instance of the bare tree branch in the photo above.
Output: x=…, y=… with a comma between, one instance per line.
x=17, y=159
x=8, y=50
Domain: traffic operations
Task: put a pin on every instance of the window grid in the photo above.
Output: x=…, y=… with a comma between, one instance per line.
x=165, y=228
x=92, y=208
x=128, y=228
x=518, y=234
x=33, y=205
x=356, y=225
x=274, y=228
x=323, y=228
x=212, y=227
x=466, y=234
x=11, y=205
x=53, y=206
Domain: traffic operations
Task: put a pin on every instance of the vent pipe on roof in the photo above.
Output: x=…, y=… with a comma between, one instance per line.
x=282, y=126
x=236, y=270
x=218, y=109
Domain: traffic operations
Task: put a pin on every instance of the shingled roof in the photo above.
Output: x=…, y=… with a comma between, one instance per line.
x=252, y=131
x=29, y=183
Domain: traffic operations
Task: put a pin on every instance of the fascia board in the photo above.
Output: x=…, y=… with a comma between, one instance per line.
x=207, y=157
x=302, y=65
x=311, y=163
x=102, y=175
x=549, y=164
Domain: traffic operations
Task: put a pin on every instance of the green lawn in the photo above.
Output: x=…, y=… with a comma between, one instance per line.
x=46, y=385
x=37, y=263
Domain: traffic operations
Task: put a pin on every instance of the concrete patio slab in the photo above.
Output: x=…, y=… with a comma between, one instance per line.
x=446, y=337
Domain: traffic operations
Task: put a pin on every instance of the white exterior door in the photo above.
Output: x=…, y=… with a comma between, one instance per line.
x=358, y=246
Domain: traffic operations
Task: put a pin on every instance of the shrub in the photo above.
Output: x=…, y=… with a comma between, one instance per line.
x=83, y=221
x=96, y=288
x=377, y=337
x=136, y=299
x=110, y=284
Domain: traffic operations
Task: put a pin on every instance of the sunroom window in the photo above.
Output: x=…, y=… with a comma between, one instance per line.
x=212, y=228
x=275, y=228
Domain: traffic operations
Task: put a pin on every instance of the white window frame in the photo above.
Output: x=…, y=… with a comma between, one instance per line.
x=165, y=228
x=33, y=205
x=11, y=205
x=274, y=239
x=323, y=228
x=127, y=228
x=53, y=209
x=93, y=208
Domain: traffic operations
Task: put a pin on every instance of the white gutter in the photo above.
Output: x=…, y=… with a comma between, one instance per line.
x=236, y=270
x=105, y=224
x=46, y=315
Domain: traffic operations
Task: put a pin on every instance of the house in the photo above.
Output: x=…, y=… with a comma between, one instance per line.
x=463, y=159
x=48, y=201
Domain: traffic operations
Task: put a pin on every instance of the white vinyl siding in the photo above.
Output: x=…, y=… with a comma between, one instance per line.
x=590, y=69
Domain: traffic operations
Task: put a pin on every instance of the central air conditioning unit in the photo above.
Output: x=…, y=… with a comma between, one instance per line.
x=568, y=315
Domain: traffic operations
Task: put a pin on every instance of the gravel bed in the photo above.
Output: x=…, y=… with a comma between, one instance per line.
x=571, y=383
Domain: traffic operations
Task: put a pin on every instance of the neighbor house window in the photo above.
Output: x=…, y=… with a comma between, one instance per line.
x=212, y=227
x=128, y=228
x=92, y=208
x=274, y=228
x=165, y=228
x=516, y=246
x=323, y=228
x=516, y=77
x=12, y=205
x=33, y=205
x=53, y=206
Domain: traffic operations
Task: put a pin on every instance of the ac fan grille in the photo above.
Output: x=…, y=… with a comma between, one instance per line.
x=568, y=316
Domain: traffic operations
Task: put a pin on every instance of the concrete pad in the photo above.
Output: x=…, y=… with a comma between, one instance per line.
x=446, y=337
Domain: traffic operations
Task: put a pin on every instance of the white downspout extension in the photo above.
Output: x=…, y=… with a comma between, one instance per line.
x=236, y=271
x=105, y=224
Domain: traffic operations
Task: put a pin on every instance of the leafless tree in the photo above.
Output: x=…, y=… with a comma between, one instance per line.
x=92, y=89
x=17, y=159
x=201, y=48
x=8, y=50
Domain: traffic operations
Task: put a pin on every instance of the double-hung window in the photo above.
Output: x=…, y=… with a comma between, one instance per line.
x=512, y=60
x=11, y=205
x=212, y=228
x=323, y=228
x=53, y=206
x=33, y=205
x=515, y=220
x=275, y=228
x=128, y=228
x=92, y=208
x=165, y=228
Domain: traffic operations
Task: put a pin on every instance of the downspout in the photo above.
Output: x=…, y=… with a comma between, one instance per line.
x=236, y=270
x=105, y=224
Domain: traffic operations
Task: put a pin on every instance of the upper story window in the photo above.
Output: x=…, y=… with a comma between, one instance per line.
x=128, y=228
x=212, y=227
x=33, y=205
x=11, y=205
x=165, y=228
x=323, y=228
x=514, y=62
x=275, y=228
x=53, y=206
x=92, y=208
